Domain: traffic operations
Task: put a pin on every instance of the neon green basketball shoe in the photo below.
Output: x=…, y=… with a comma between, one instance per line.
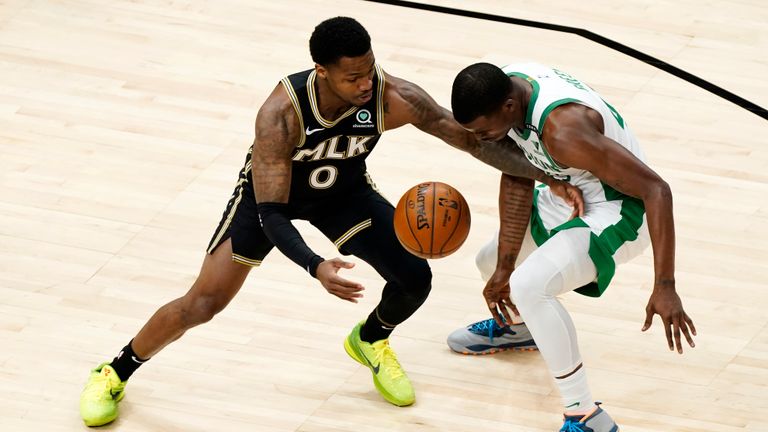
x=388, y=376
x=102, y=392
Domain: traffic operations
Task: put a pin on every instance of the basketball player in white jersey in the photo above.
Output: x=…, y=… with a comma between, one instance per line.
x=567, y=130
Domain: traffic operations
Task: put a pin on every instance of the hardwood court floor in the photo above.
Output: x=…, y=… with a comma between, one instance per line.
x=123, y=125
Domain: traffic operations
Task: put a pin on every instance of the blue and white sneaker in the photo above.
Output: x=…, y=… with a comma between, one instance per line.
x=596, y=421
x=486, y=337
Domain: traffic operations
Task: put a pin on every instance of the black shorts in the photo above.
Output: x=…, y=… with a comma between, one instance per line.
x=341, y=220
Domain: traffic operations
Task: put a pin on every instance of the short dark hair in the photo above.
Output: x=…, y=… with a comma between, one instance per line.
x=338, y=37
x=478, y=90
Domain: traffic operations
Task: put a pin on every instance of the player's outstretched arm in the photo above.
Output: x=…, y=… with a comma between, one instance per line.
x=277, y=132
x=405, y=103
x=573, y=135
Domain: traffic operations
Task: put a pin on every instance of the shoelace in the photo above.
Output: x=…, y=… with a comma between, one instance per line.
x=101, y=388
x=387, y=358
x=571, y=425
x=488, y=326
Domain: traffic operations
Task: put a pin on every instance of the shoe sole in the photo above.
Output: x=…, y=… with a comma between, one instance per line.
x=356, y=357
x=494, y=351
x=104, y=421
x=99, y=423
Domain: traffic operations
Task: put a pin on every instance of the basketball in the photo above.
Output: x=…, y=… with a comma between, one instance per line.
x=432, y=220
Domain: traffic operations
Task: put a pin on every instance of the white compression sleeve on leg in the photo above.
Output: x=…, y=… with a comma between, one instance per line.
x=559, y=265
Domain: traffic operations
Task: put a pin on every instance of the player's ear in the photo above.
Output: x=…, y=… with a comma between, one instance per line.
x=509, y=105
x=321, y=71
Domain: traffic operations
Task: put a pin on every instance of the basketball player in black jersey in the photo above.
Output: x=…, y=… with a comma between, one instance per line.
x=307, y=161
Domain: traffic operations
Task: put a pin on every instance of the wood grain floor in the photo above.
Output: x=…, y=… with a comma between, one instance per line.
x=123, y=125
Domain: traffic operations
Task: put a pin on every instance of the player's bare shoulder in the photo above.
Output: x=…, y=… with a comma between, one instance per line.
x=277, y=121
x=572, y=123
x=277, y=133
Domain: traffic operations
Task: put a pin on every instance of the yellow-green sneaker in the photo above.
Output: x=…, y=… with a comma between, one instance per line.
x=102, y=392
x=388, y=376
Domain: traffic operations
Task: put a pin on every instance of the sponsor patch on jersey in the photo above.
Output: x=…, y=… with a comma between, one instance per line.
x=364, y=119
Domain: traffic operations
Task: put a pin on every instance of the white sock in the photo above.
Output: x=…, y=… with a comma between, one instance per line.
x=574, y=391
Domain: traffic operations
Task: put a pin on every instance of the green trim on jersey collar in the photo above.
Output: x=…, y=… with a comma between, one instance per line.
x=543, y=119
x=531, y=102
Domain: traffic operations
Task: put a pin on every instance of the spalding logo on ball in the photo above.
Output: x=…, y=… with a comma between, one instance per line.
x=432, y=220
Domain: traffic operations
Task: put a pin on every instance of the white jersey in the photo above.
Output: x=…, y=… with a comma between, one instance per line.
x=617, y=221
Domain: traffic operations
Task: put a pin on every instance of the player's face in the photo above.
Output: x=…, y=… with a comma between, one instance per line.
x=492, y=127
x=351, y=78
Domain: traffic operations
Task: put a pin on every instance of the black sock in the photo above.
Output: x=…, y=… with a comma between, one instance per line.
x=126, y=363
x=374, y=330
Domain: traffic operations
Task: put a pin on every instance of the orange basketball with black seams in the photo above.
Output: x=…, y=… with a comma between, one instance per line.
x=432, y=220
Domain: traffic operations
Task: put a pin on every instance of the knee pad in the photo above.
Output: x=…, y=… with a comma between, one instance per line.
x=422, y=278
x=524, y=295
x=533, y=282
x=485, y=260
x=416, y=279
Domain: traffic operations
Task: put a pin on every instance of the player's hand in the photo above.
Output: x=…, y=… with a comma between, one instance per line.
x=570, y=194
x=327, y=274
x=497, y=297
x=665, y=302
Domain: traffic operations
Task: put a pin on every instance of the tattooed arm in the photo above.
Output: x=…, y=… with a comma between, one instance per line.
x=515, y=196
x=277, y=133
x=405, y=102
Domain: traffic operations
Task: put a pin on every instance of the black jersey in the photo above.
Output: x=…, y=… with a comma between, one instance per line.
x=329, y=159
